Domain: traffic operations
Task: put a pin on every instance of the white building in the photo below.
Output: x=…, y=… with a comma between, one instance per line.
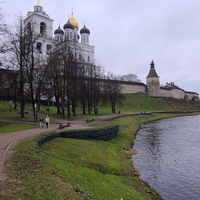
x=43, y=26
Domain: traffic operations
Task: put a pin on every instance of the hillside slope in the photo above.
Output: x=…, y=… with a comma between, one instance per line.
x=143, y=102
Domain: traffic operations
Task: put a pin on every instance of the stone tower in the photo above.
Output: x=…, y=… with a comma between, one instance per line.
x=43, y=27
x=153, y=82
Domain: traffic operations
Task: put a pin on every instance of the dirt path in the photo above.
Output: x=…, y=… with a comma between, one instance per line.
x=8, y=140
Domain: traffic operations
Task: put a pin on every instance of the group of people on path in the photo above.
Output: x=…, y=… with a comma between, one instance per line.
x=47, y=121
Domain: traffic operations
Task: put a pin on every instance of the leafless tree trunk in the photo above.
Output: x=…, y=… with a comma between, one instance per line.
x=112, y=91
x=26, y=62
x=64, y=78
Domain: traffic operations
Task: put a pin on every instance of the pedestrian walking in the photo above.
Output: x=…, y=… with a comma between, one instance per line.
x=41, y=122
x=47, y=121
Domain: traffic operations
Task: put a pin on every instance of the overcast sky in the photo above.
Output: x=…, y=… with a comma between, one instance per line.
x=129, y=34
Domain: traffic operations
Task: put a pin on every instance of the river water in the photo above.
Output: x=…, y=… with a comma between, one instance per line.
x=169, y=156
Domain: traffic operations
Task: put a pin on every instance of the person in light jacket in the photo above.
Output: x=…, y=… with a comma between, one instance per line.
x=47, y=121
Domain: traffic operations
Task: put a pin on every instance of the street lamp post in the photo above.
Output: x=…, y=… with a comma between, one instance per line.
x=35, y=112
x=48, y=108
x=10, y=105
x=70, y=109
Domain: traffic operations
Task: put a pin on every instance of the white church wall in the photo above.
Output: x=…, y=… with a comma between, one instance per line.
x=86, y=50
x=38, y=19
x=84, y=38
x=69, y=33
x=44, y=45
x=49, y=28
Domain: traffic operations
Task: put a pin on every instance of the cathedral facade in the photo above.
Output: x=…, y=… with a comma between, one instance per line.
x=43, y=26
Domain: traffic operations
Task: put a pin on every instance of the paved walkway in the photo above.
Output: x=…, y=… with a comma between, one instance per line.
x=9, y=139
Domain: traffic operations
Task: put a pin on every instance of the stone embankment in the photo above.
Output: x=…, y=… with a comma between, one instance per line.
x=100, y=134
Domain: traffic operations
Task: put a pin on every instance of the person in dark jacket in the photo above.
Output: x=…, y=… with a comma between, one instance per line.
x=41, y=122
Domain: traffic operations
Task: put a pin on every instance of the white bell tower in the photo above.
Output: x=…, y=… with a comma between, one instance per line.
x=43, y=26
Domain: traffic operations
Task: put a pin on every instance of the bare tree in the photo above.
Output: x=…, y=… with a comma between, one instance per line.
x=112, y=91
x=11, y=81
x=130, y=78
x=54, y=75
x=82, y=83
x=4, y=44
x=26, y=62
x=96, y=88
x=15, y=59
x=63, y=78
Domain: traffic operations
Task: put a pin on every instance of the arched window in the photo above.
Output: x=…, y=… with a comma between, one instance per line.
x=88, y=58
x=49, y=47
x=39, y=47
x=42, y=28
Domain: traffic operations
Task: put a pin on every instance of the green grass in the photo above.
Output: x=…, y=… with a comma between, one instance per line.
x=142, y=102
x=130, y=105
x=43, y=109
x=138, y=102
x=13, y=127
x=68, y=166
x=6, y=109
x=8, y=113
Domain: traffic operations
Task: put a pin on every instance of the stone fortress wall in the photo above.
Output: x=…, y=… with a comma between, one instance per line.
x=178, y=94
x=175, y=93
x=163, y=92
x=131, y=88
x=153, y=88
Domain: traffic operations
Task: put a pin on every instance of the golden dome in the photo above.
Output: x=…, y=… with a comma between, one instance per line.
x=73, y=21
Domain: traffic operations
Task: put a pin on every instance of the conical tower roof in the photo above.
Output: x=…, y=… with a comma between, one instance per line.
x=152, y=72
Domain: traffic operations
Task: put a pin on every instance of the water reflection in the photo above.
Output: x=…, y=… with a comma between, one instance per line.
x=168, y=157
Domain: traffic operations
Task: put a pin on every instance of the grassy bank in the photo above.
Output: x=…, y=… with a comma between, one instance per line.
x=13, y=127
x=132, y=103
x=75, y=169
x=82, y=169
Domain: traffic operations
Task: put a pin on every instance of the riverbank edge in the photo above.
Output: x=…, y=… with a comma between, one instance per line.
x=133, y=151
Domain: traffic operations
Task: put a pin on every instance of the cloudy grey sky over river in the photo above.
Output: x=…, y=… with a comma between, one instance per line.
x=129, y=34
